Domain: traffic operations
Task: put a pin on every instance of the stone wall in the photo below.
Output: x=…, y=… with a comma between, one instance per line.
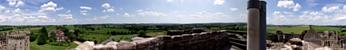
x=327, y=38
x=3, y=41
x=15, y=40
x=194, y=41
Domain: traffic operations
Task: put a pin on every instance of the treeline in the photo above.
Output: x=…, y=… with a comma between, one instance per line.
x=163, y=26
x=47, y=36
x=101, y=32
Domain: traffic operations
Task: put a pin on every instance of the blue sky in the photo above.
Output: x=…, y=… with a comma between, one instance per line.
x=56, y=12
x=51, y=12
x=306, y=12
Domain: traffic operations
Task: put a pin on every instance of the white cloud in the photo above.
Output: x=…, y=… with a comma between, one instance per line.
x=43, y=18
x=50, y=6
x=17, y=10
x=233, y=9
x=340, y=18
x=84, y=10
x=312, y=3
x=330, y=8
x=15, y=3
x=207, y=17
x=151, y=13
x=7, y=11
x=38, y=18
x=19, y=3
x=289, y=4
x=21, y=18
x=85, y=7
x=128, y=15
x=101, y=17
x=107, y=7
x=152, y=16
x=2, y=8
x=169, y=0
x=219, y=2
x=306, y=18
x=3, y=18
x=60, y=8
x=18, y=16
x=83, y=13
x=67, y=17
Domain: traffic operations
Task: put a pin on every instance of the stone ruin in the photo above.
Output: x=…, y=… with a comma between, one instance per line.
x=326, y=38
x=194, y=41
x=15, y=40
x=59, y=35
x=320, y=39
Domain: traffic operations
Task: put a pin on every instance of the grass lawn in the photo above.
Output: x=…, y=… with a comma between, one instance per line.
x=34, y=46
x=324, y=28
x=300, y=29
x=295, y=29
x=152, y=34
x=122, y=37
x=97, y=38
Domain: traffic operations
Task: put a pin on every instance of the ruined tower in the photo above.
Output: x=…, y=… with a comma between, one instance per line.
x=312, y=36
x=2, y=41
x=15, y=40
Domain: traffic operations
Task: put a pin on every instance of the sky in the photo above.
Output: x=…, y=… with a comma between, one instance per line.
x=59, y=12
x=306, y=12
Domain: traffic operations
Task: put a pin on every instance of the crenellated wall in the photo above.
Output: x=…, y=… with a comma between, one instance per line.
x=194, y=41
x=3, y=41
x=15, y=40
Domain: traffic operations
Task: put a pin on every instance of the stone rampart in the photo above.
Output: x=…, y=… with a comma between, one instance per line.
x=194, y=41
x=14, y=40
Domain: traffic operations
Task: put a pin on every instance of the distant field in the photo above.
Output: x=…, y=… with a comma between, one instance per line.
x=300, y=29
x=100, y=33
x=290, y=29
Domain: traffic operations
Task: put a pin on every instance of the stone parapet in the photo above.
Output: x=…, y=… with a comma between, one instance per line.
x=14, y=40
x=194, y=41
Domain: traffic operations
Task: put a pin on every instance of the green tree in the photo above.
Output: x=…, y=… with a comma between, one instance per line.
x=71, y=35
x=52, y=37
x=142, y=33
x=33, y=37
x=42, y=39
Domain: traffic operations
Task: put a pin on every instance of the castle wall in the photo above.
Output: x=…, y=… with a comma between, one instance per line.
x=194, y=41
x=198, y=41
x=3, y=41
x=17, y=40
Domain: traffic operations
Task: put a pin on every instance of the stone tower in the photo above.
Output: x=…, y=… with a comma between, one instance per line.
x=312, y=36
x=2, y=41
x=15, y=40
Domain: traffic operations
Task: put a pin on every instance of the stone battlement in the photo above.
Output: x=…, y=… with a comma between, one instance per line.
x=17, y=34
x=194, y=41
x=14, y=40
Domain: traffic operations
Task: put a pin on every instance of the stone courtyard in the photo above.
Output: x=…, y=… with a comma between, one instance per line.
x=310, y=40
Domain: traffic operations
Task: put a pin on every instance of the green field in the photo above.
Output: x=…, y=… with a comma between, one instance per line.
x=34, y=46
x=100, y=33
x=300, y=29
x=294, y=30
